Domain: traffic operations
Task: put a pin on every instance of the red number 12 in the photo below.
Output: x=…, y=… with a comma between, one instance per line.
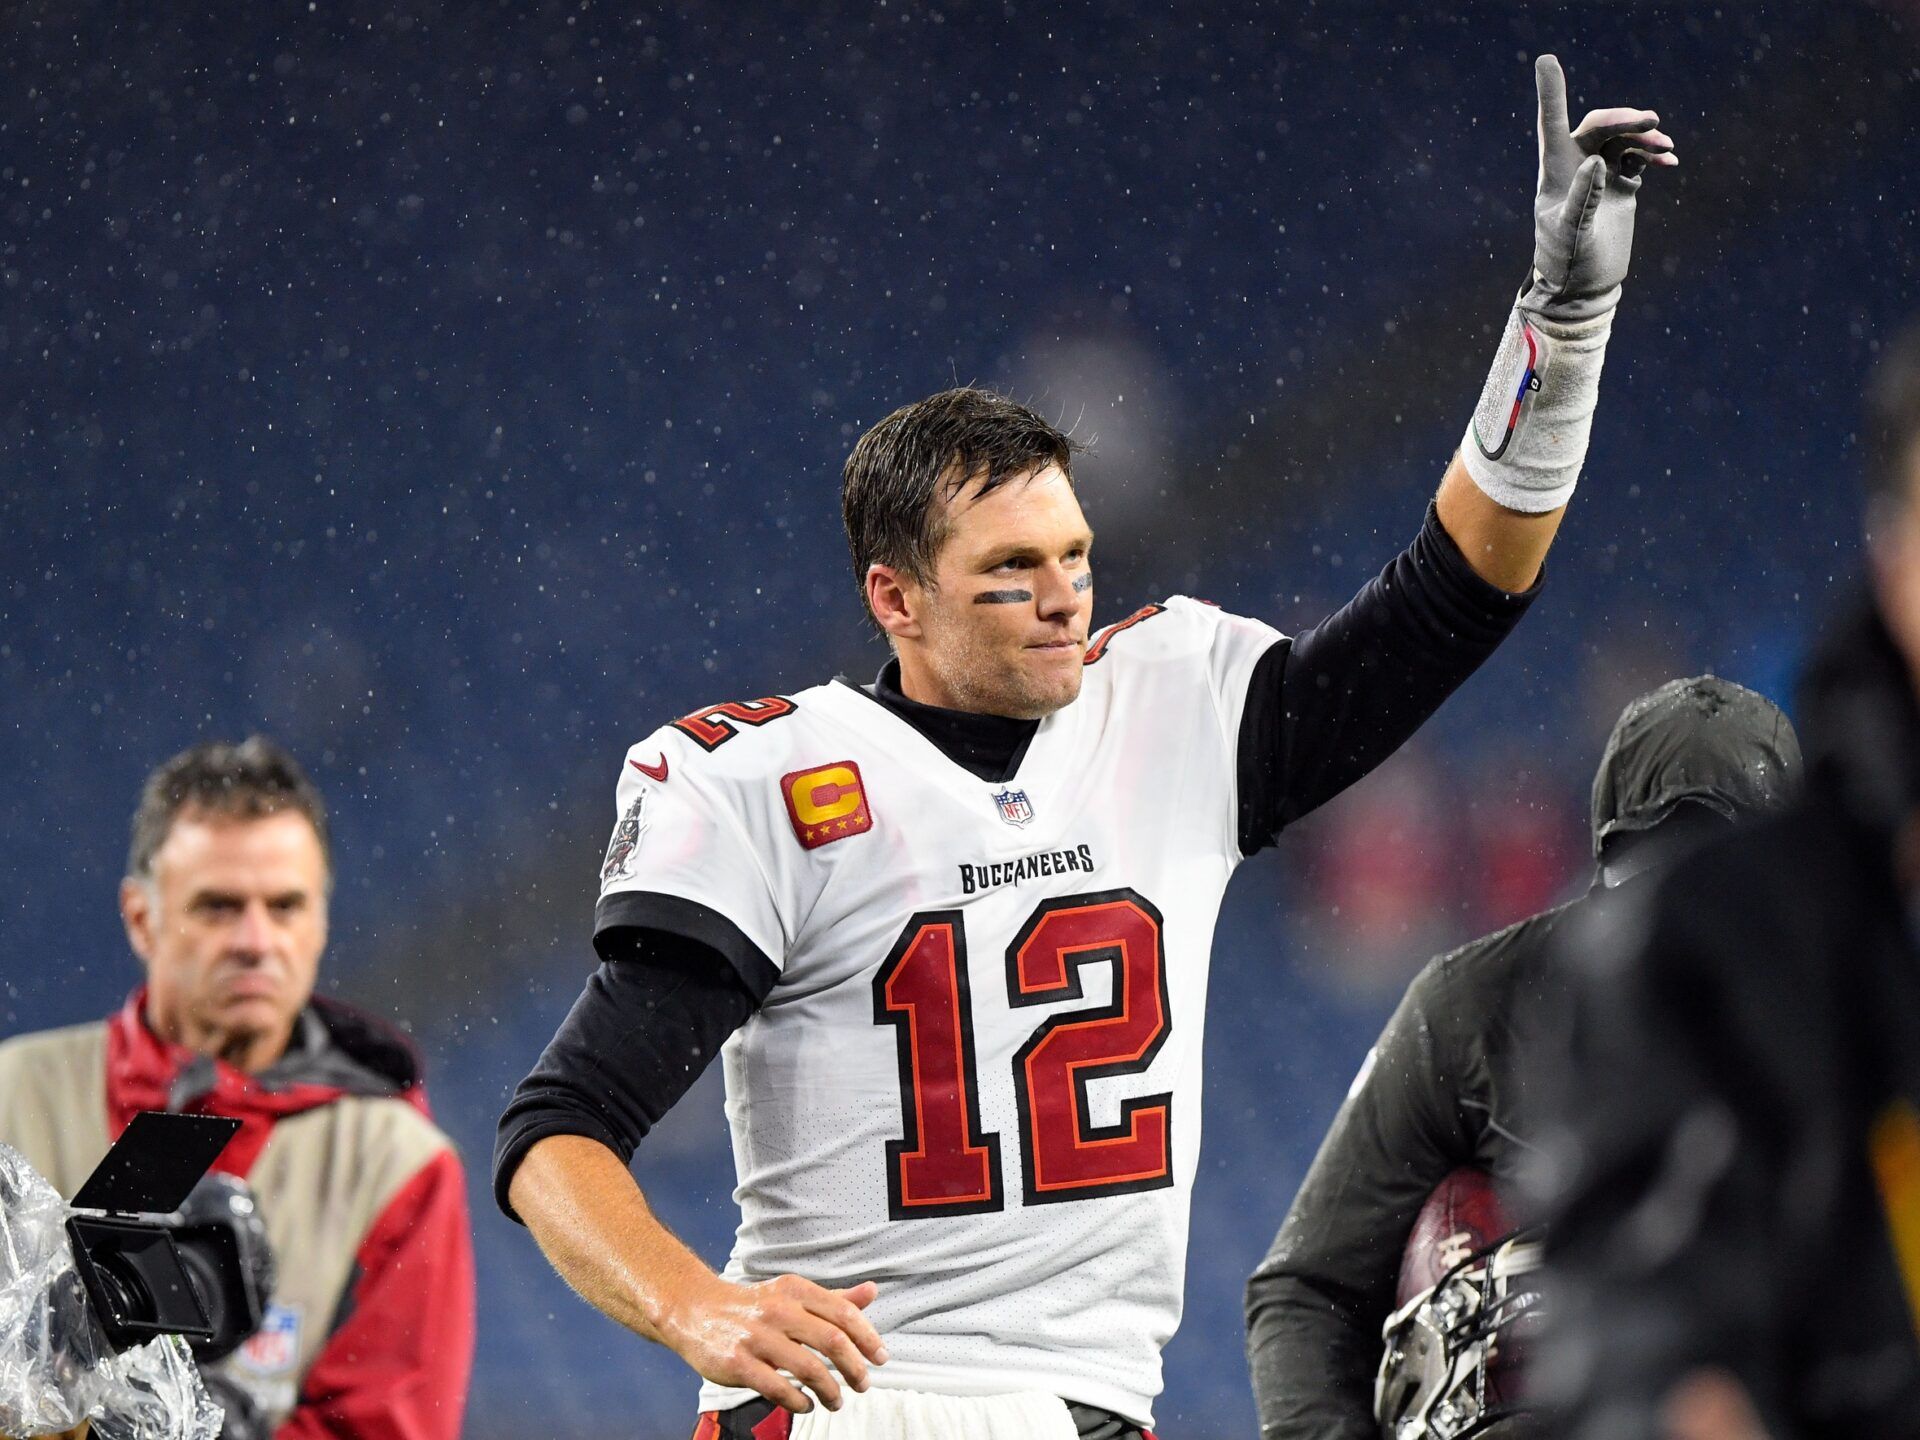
x=946, y=1164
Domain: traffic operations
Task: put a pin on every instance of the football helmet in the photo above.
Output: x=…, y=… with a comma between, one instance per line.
x=1452, y=1349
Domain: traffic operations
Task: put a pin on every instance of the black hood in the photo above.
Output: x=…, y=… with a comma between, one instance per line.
x=1863, y=722
x=1703, y=742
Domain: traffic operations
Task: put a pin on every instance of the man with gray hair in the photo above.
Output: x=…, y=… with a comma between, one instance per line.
x=369, y=1327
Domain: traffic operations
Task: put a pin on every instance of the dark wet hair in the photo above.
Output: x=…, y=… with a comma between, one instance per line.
x=1893, y=422
x=899, y=476
x=247, y=781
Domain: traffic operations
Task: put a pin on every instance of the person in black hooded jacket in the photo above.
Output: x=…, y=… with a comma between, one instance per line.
x=1730, y=1172
x=1442, y=1088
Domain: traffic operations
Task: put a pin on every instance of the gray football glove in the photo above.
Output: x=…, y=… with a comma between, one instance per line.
x=1583, y=207
x=1528, y=437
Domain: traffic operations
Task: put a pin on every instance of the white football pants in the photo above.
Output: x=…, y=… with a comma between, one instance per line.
x=913, y=1415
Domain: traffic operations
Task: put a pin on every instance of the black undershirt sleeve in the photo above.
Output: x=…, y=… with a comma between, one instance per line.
x=1326, y=706
x=649, y=1021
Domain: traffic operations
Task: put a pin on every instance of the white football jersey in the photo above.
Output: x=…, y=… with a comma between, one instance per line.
x=976, y=1080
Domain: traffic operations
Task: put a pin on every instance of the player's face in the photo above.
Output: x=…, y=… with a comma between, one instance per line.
x=230, y=928
x=1004, y=626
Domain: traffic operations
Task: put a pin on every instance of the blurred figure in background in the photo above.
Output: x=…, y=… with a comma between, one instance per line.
x=1527, y=845
x=369, y=1332
x=1443, y=1088
x=1731, y=1175
x=1380, y=874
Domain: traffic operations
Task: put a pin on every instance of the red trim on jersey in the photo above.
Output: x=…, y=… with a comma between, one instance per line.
x=713, y=726
x=1099, y=646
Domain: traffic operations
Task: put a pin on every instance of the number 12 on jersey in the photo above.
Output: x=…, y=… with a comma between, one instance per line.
x=945, y=1164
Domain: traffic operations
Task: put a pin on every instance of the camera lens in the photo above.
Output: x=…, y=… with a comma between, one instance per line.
x=138, y=1282
x=203, y=1275
x=224, y=1250
x=124, y=1291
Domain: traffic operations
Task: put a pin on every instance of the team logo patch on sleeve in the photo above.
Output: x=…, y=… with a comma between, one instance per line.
x=626, y=839
x=826, y=803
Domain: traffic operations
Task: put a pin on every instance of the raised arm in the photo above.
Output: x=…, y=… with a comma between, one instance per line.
x=1506, y=548
x=1327, y=706
x=1508, y=486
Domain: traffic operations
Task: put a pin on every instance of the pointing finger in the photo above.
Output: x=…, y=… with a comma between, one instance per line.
x=1552, y=85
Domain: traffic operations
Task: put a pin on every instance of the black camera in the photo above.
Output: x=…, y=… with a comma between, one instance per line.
x=172, y=1250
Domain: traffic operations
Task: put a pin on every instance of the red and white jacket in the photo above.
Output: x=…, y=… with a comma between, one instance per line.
x=369, y=1335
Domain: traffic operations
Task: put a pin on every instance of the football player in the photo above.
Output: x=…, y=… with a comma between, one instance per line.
x=1445, y=1087
x=950, y=930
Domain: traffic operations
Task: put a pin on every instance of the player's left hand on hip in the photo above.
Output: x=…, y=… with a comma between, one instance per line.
x=1583, y=207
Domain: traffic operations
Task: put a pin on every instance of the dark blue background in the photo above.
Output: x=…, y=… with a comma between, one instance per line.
x=457, y=391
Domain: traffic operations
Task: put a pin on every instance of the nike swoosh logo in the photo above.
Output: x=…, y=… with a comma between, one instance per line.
x=652, y=772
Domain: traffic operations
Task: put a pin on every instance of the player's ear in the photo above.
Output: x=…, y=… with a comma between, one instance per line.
x=895, y=601
x=136, y=913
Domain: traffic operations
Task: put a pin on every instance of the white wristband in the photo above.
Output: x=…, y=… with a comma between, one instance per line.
x=1528, y=437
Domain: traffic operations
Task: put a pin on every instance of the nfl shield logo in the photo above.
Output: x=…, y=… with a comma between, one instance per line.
x=272, y=1349
x=1015, y=808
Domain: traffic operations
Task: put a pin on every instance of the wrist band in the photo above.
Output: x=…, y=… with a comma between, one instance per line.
x=1528, y=436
